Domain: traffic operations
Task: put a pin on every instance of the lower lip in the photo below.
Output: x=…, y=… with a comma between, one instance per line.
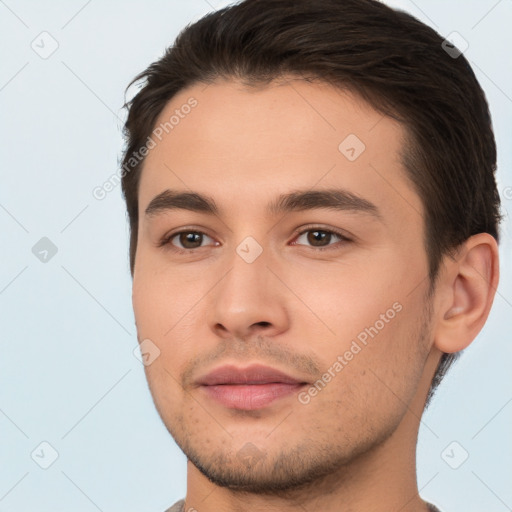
x=250, y=396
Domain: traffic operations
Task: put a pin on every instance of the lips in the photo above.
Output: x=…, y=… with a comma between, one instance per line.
x=249, y=388
x=254, y=374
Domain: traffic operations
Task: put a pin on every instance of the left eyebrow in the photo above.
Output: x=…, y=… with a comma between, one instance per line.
x=301, y=200
x=330, y=199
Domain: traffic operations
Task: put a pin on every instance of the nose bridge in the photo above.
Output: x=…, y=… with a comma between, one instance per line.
x=248, y=294
x=247, y=281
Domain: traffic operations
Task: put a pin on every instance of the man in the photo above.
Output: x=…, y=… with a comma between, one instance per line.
x=314, y=226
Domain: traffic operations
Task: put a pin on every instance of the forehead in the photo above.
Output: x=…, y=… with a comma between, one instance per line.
x=245, y=145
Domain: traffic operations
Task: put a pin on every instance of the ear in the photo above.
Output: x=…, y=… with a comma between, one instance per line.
x=466, y=292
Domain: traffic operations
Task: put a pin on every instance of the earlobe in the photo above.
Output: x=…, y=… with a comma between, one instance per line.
x=468, y=287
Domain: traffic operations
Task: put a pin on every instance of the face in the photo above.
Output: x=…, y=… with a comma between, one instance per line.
x=327, y=289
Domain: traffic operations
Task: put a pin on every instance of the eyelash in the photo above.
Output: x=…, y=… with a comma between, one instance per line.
x=166, y=240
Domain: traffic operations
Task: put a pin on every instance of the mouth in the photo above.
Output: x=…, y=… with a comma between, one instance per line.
x=249, y=388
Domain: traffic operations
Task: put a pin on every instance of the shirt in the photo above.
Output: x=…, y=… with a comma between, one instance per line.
x=179, y=506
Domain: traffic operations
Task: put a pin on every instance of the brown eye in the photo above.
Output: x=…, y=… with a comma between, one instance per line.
x=184, y=241
x=190, y=240
x=320, y=238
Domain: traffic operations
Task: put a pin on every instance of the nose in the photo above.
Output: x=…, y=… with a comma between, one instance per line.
x=249, y=300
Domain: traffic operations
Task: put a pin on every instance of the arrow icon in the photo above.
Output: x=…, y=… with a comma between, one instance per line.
x=44, y=455
x=454, y=455
x=351, y=147
x=146, y=352
x=44, y=44
x=249, y=249
x=44, y=250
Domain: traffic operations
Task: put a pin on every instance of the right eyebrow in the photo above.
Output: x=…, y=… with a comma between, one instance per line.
x=172, y=200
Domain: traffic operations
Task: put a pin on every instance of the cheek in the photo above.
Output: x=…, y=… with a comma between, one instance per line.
x=347, y=299
x=393, y=359
x=167, y=313
x=163, y=301
x=379, y=345
x=377, y=382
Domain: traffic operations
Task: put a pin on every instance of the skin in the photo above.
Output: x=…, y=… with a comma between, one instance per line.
x=296, y=308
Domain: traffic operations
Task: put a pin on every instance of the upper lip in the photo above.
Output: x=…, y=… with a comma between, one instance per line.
x=253, y=374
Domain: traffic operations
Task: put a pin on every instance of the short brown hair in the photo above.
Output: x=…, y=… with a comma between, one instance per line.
x=389, y=58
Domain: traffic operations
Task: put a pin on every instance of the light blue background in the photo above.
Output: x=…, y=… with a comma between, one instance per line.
x=67, y=372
